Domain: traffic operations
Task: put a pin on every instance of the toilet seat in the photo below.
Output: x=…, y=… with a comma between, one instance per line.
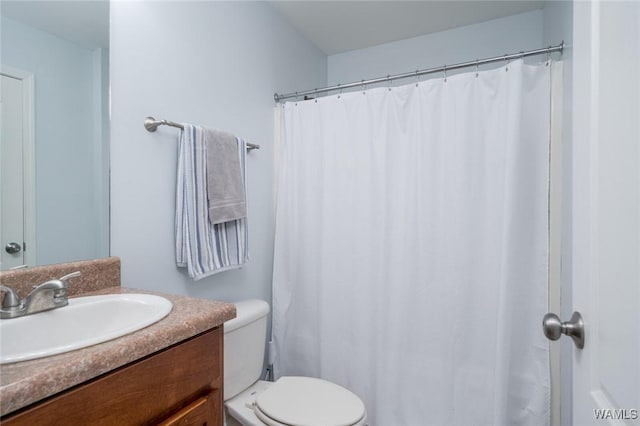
x=307, y=401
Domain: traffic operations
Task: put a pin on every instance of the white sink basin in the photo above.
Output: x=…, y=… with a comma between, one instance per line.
x=84, y=322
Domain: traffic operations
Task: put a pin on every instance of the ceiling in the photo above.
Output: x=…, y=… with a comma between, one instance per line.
x=333, y=26
x=340, y=26
x=85, y=23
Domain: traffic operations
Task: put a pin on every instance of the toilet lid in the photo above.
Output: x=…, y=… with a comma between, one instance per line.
x=306, y=401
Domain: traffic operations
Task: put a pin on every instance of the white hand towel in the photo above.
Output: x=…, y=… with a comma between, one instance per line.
x=202, y=247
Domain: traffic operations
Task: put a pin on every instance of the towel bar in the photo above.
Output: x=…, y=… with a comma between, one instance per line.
x=151, y=124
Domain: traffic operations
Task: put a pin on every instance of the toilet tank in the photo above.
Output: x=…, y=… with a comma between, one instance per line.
x=244, y=343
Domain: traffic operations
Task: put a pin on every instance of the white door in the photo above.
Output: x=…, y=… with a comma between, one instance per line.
x=11, y=163
x=606, y=211
x=17, y=169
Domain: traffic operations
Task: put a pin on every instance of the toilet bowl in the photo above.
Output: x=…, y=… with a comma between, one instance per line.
x=290, y=400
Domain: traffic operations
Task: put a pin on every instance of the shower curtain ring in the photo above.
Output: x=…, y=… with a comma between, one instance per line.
x=417, y=78
x=476, y=67
x=339, y=91
x=445, y=73
x=389, y=81
x=506, y=58
x=548, y=55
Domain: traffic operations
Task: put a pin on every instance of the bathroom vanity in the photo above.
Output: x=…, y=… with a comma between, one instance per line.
x=168, y=373
x=178, y=385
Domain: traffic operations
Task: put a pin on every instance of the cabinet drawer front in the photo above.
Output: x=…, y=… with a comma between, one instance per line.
x=144, y=392
x=198, y=413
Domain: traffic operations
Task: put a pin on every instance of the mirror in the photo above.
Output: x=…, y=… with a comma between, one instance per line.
x=55, y=131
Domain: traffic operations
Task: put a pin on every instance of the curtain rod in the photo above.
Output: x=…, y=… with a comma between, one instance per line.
x=445, y=68
x=151, y=124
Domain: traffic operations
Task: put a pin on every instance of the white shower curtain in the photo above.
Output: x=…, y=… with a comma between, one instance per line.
x=412, y=247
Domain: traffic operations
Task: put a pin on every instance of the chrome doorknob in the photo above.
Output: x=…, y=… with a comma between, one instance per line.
x=553, y=328
x=13, y=248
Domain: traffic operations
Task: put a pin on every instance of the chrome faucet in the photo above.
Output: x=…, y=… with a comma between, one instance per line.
x=49, y=295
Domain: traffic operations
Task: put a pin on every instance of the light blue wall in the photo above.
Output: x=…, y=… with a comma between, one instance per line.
x=101, y=131
x=216, y=64
x=487, y=39
x=67, y=227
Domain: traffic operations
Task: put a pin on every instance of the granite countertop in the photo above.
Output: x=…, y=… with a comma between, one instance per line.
x=26, y=382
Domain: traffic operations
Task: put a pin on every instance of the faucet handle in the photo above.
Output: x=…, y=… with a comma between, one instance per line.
x=71, y=275
x=11, y=299
x=59, y=283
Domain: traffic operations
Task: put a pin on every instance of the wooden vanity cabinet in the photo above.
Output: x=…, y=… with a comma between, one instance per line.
x=180, y=385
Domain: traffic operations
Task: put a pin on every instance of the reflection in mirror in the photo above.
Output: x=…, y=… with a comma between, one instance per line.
x=54, y=150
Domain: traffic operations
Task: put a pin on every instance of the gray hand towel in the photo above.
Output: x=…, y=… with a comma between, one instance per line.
x=225, y=187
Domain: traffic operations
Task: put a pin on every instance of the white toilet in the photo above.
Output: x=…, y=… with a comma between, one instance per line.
x=300, y=401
